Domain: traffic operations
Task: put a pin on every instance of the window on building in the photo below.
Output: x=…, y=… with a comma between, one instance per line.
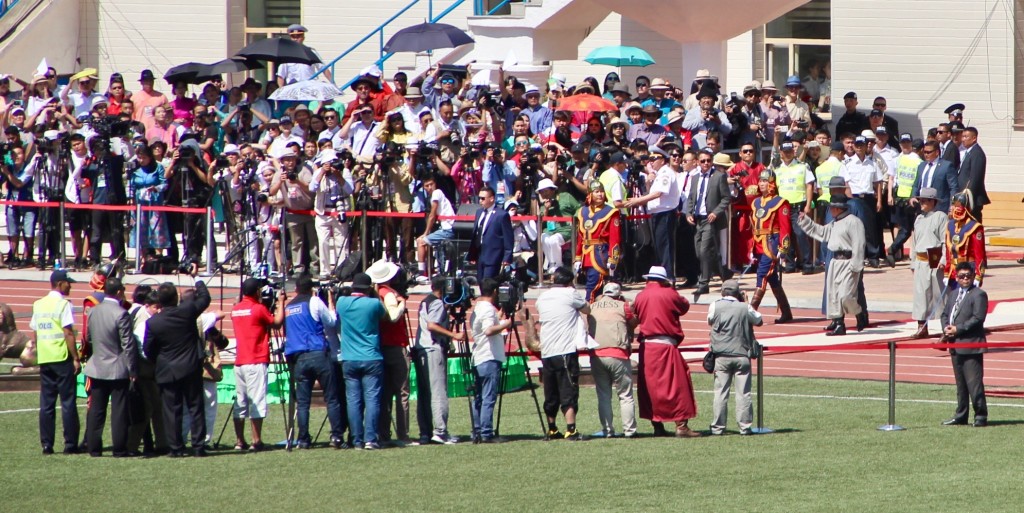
x=800, y=43
x=269, y=18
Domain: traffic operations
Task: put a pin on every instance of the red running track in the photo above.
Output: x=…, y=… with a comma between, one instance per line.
x=1002, y=369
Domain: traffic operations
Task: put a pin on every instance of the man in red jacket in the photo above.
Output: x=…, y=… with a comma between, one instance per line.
x=666, y=390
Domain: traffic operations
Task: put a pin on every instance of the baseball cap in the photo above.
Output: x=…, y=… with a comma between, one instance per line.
x=286, y=119
x=295, y=27
x=917, y=144
x=850, y=96
x=875, y=112
x=838, y=146
x=532, y=89
x=59, y=276
x=786, y=146
x=730, y=287
x=860, y=140
x=578, y=148
x=618, y=158
x=882, y=130
x=906, y=137
x=612, y=289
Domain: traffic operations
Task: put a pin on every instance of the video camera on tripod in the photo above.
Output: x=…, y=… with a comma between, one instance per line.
x=512, y=287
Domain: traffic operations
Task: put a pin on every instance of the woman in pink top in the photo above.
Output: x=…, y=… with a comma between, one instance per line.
x=163, y=129
x=183, y=105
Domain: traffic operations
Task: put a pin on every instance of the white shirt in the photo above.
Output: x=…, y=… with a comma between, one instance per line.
x=667, y=184
x=360, y=138
x=702, y=202
x=83, y=103
x=430, y=134
x=335, y=136
x=411, y=116
x=861, y=175
x=293, y=72
x=560, y=321
x=683, y=179
x=928, y=173
x=888, y=155
x=485, y=347
x=444, y=209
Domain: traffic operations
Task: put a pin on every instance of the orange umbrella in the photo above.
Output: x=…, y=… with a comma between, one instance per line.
x=586, y=103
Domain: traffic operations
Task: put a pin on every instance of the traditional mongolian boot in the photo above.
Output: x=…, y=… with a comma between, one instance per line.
x=839, y=330
x=684, y=431
x=862, y=321
x=922, y=330
x=785, y=312
x=755, y=299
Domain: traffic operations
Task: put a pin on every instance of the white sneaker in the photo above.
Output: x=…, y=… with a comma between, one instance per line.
x=445, y=440
x=422, y=280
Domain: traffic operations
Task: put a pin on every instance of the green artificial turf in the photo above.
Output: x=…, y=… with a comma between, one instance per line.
x=826, y=456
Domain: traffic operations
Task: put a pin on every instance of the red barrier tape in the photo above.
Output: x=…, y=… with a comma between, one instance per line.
x=109, y=208
x=421, y=215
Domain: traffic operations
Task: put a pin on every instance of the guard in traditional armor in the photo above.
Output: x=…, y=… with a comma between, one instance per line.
x=965, y=239
x=597, y=244
x=769, y=218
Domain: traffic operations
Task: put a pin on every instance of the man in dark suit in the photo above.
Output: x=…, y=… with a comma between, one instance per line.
x=492, y=243
x=972, y=171
x=963, y=320
x=173, y=343
x=948, y=136
x=707, y=209
x=111, y=369
x=105, y=171
x=935, y=173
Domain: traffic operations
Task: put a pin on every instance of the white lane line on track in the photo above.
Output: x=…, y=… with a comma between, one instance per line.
x=901, y=376
x=988, y=368
x=877, y=399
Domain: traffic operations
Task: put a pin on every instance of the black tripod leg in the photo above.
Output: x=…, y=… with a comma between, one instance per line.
x=468, y=380
x=529, y=381
x=231, y=415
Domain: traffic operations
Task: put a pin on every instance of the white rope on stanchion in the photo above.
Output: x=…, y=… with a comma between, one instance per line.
x=892, y=426
x=760, y=429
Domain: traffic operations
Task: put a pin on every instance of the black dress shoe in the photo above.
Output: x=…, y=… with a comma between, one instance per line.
x=954, y=422
x=688, y=284
x=47, y=450
x=176, y=454
x=200, y=452
x=873, y=262
x=839, y=330
x=832, y=325
x=980, y=422
x=890, y=259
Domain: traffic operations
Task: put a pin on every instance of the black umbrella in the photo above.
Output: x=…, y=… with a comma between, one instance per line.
x=279, y=50
x=234, y=65
x=427, y=36
x=190, y=72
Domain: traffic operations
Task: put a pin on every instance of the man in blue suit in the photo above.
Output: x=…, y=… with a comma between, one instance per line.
x=937, y=174
x=491, y=245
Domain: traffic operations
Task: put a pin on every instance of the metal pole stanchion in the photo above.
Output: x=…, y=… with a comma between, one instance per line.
x=760, y=429
x=209, y=243
x=540, y=250
x=63, y=253
x=362, y=236
x=892, y=426
x=575, y=237
x=138, y=238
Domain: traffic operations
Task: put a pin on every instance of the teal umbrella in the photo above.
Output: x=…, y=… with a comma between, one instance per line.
x=620, y=56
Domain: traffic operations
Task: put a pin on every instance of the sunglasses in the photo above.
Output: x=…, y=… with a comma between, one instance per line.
x=297, y=36
x=330, y=117
x=746, y=151
x=676, y=155
x=929, y=152
x=879, y=105
x=447, y=81
x=942, y=131
x=704, y=161
x=643, y=85
x=522, y=143
x=964, y=276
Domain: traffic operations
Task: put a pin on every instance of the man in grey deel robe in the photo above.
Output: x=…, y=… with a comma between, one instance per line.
x=845, y=238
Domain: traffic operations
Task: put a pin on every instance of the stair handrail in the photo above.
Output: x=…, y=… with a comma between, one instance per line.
x=6, y=5
x=380, y=31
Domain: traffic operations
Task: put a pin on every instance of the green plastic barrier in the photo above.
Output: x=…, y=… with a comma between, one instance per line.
x=277, y=382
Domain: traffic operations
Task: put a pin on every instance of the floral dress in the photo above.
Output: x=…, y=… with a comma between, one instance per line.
x=150, y=186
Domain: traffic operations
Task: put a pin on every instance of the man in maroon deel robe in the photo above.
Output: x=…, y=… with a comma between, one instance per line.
x=666, y=391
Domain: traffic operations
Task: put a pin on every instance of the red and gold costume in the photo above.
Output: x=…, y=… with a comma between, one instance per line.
x=742, y=235
x=597, y=243
x=965, y=239
x=772, y=233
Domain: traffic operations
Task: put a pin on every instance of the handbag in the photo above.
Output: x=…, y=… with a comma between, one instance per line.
x=709, y=362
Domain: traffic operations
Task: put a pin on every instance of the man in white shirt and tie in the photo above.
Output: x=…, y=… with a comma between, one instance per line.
x=936, y=173
x=492, y=241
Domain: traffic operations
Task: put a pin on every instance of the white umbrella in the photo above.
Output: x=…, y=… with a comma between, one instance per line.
x=307, y=90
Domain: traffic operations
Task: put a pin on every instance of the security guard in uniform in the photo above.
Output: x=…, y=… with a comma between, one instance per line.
x=901, y=186
x=59, y=363
x=796, y=185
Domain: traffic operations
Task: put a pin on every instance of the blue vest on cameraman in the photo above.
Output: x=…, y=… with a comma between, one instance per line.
x=303, y=333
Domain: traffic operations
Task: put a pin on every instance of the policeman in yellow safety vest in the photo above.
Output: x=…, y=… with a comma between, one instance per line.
x=796, y=185
x=902, y=181
x=59, y=363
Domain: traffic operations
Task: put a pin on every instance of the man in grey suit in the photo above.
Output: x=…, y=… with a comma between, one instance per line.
x=707, y=209
x=972, y=171
x=111, y=369
x=935, y=173
x=963, y=320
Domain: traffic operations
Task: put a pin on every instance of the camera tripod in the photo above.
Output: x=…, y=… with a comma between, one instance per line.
x=521, y=352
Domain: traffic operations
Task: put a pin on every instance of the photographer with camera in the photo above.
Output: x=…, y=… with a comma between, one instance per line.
x=732, y=323
x=293, y=180
x=239, y=127
x=388, y=190
x=105, y=172
x=563, y=326
x=21, y=221
x=252, y=323
x=394, y=341
x=332, y=186
x=487, y=323
x=446, y=131
x=707, y=118
x=305, y=318
x=430, y=356
x=362, y=360
x=189, y=184
x=468, y=173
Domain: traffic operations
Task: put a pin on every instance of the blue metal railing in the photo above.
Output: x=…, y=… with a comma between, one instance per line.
x=379, y=32
x=5, y=5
